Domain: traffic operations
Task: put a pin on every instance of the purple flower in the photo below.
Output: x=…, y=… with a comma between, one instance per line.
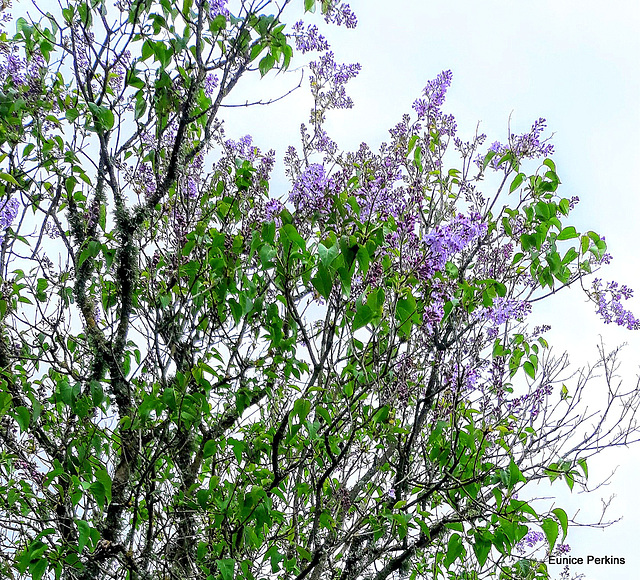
x=210, y=84
x=434, y=94
x=146, y=179
x=526, y=146
x=244, y=148
x=445, y=241
x=609, y=301
x=310, y=191
x=192, y=187
x=328, y=80
x=529, y=541
x=340, y=14
x=309, y=39
x=218, y=8
x=272, y=210
x=8, y=211
x=504, y=309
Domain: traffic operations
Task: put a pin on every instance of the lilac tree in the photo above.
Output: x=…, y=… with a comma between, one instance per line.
x=199, y=380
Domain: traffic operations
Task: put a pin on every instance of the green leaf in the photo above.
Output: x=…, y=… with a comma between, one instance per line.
x=583, y=465
x=550, y=529
x=515, y=475
x=238, y=448
x=381, y=414
x=266, y=64
x=83, y=534
x=23, y=418
x=301, y=408
x=481, y=548
x=529, y=369
x=209, y=448
x=517, y=182
x=103, y=116
x=38, y=568
x=363, y=316
x=455, y=549
x=327, y=254
x=487, y=159
x=226, y=568
x=405, y=312
x=568, y=233
x=104, y=478
x=563, y=519
x=323, y=282
x=9, y=178
x=71, y=115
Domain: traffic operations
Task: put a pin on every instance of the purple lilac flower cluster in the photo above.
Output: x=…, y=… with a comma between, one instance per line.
x=328, y=82
x=243, y=148
x=272, y=210
x=526, y=146
x=312, y=191
x=465, y=376
x=434, y=93
x=443, y=242
x=309, y=39
x=8, y=212
x=428, y=107
x=529, y=145
x=406, y=376
x=218, y=8
x=379, y=194
x=493, y=262
x=439, y=294
x=119, y=70
x=504, y=309
x=210, y=84
x=529, y=541
x=609, y=301
x=24, y=74
x=81, y=42
x=340, y=14
x=146, y=180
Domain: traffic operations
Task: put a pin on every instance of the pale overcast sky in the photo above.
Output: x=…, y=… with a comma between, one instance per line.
x=576, y=63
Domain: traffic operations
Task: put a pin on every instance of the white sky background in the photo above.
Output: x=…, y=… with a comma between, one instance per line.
x=576, y=63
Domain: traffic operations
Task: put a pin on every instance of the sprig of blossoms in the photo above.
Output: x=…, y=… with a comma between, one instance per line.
x=529, y=541
x=8, y=212
x=609, y=300
x=218, y=8
x=445, y=241
x=340, y=14
x=434, y=94
x=328, y=82
x=504, y=309
x=529, y=145
x=309, y=39
x=312, y=190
